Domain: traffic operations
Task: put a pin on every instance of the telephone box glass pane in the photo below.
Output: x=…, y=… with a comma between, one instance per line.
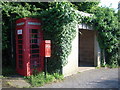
x=33, y=40
x=19, y=36
x=19, y=46
x=34, y=48
x=34, y=36
x=20, y=51
x=34, y=30
x=35, y=56
x=20, y=56
x=19, y=41
x=34, y=51
x=20, y=62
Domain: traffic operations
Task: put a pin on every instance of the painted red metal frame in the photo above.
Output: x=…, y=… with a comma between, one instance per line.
x=22, y=24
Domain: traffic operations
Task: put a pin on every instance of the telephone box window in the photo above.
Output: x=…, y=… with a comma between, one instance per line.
x=34, y=46
x=34, y=30
x=20, y=56
x=34, y=36
x=20, y=66
x=20, y=51
x=35, y=56
x=34, y=51
x=33, y=41
x=19, y=41
x=19, y=36
x=19, y=46
x=20, y=62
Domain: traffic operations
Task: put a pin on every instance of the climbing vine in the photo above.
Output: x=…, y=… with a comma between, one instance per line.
x=106, y=23
x=59, y=24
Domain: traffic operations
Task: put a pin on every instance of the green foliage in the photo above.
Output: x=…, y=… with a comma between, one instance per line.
x=60, y=22
x=106, y=23
x=19, y=9
x=84, y=6
x=11, y=11
x=110, y=66
x=4, y=37
x=39, y=79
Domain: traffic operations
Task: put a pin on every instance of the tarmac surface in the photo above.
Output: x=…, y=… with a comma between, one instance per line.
x=95, y=78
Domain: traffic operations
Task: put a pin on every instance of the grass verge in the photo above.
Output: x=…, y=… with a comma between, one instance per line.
x=110, y=66
x=40, y=80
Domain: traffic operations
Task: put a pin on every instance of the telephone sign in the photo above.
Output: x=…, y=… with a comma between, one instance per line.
x=19, y=31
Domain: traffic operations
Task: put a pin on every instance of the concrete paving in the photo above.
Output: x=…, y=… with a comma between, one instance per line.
x=14, y=82
x=95, y=78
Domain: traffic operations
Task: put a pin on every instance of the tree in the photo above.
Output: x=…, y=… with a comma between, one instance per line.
x=84, y=6
x=107, y=25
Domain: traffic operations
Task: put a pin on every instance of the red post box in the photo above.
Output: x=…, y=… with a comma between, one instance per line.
x=47, y=48
x=29, y=46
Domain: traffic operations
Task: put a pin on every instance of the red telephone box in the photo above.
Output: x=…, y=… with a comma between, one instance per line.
x=29, y=46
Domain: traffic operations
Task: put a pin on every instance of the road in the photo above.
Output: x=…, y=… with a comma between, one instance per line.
x=95, y=78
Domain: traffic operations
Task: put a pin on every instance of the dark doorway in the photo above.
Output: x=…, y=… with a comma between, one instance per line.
x=86, y=48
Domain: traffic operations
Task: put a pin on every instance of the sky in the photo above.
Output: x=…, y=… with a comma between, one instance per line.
x=114, y=3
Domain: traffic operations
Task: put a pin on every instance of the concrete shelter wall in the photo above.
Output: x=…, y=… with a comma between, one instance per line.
x=97, y=55
x=72, y=65
x=73, y=58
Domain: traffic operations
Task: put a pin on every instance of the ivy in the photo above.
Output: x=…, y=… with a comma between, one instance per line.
x=106, y=23
x=60, y=22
